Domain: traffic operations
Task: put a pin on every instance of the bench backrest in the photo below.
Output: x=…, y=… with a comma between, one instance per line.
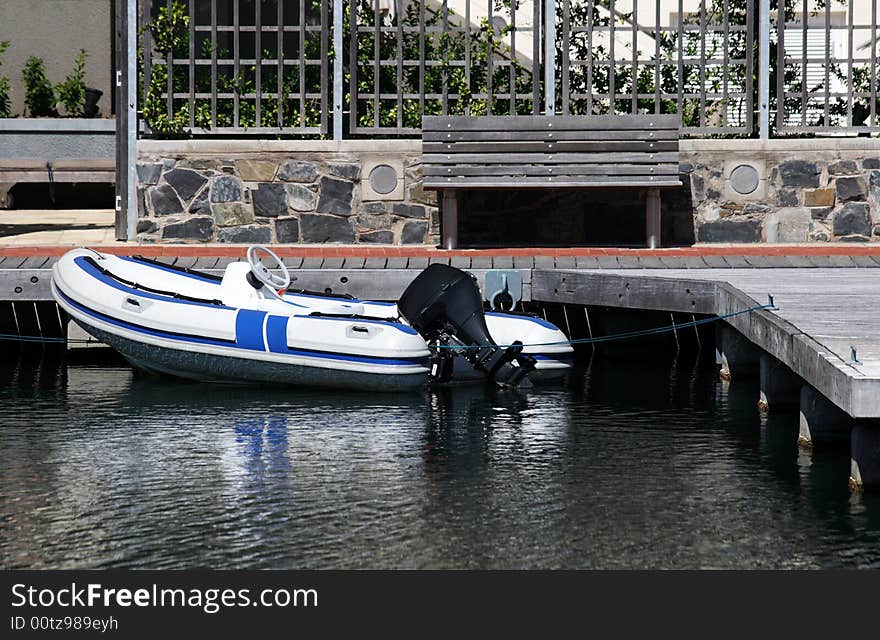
x=550, y=151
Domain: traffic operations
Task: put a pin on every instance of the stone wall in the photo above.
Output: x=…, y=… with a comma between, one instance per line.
x=282, y=192
x=735, y=191
x=808, y=190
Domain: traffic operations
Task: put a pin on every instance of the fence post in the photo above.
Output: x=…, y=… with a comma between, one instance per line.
x=126, y=120
x=550, y=57
x=764, y=67
x=337, y=68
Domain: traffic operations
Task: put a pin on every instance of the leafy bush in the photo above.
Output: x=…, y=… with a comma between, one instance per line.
x=72, y=92
x=5, y=107
x=39, y=94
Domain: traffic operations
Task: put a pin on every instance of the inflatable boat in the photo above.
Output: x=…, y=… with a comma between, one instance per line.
x=249, y=325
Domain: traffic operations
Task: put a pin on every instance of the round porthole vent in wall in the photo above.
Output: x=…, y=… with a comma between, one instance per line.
x=383, y=179
x=744, y=179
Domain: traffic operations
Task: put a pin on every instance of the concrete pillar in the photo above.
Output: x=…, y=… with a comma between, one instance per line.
x=5, y=198
x=865, y=456
x=780, y=386
x=739, y=356
x=821, y=422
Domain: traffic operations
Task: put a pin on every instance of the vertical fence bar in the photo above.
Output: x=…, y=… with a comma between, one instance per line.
x=681, y=58
x=780, y=69
x=590, y=9
x=490, y=58
x=764, y=68
x=657, y=36
x=827, y=120
x=192, y=64
x=612, y=76
x=213, y=63
x=873, y=63
x=750, y=65
x=703, y=21
x=399, y=18
x=258, y=63
x=236, y=41
x=280, y=61
x=131, y=120
x=536, y=57
x=725, y=72
x=467, y=54
x=566, y=61
x=337, y=65
x=325, y=65
x=377, y=67
x=169, y=67
x=144, y=18
x=445, y=90
x=120, y=37
x=804, y=99
x=512, y=66
x=849, y=72
x=422, y=38
x=352, y=66
x=634, y=108
x=549, y=56
x=302, y=63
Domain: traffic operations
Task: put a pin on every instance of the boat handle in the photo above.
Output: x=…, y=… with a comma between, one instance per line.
x=133, y=304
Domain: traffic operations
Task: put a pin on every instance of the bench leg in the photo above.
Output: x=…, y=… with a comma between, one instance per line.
x=450, y=219
x=652, y=214
x=4, y=195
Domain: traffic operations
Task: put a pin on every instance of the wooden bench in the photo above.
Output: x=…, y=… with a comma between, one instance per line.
x=541, y=152
x=14, y=171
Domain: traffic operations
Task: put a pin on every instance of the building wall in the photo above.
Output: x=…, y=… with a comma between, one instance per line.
x=55, y=30
x=803, y=190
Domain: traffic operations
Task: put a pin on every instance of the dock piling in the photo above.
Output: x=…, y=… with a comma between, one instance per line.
x=739, y=356
x=821, y=422
x=780, y=387
x=865, y=455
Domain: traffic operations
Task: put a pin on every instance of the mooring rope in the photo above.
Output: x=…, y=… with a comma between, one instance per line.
x=620, y=336
x=13, y=337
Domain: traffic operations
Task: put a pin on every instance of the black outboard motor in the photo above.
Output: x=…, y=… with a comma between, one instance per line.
x=444, y=304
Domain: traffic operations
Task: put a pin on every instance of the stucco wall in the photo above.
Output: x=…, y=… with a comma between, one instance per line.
x=56, y=30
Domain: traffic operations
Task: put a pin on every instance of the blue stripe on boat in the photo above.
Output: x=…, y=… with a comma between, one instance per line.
x=249, y=329
x=276, y=334
x=420, y=360
x=539, y=321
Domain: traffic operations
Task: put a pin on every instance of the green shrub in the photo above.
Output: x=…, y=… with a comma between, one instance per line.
x=5, y=107
x=39, y=94
x=72, y=92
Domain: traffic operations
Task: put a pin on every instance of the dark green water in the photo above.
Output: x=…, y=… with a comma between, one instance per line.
x=622, y=465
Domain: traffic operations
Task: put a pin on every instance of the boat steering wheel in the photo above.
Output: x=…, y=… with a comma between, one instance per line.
x=261, y=273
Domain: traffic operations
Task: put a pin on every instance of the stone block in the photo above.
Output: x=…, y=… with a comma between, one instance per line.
x=871, y=163
x=226, y=189
x=408, y=210
x=347, y=170
x=245, y=235
x=372, y=222
x=199, y=228
x=821, y=213
x=756, y=208
x=298, y=171
x=185, y=182
x=256, y=170
x=787, y=198
x=319, y=228
x=377, y=237
x=228, y=214
x=733, y=229
x=164, y=200
x=819, y=197
x=414, y=232
x=335, y=196
x=788, y=225
x=851, y=189
x=287, y=230
x=853, y=218
x=843, y=168
x=146, y=225
x=200, y=204
x=269, y=200
x=373, y=207
x=799, y=173
x=148, y=173
x=300, y=198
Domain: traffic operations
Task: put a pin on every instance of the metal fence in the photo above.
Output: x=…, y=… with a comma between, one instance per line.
x=266, y=67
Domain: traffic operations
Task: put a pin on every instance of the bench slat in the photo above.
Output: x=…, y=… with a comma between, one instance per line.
x=554, y=170
x=571, y=146
x=541, y=158
x=611, y=135
x=576, y=123
x=502, y=182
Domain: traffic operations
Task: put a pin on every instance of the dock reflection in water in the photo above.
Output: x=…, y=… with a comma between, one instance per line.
x=625, y=464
